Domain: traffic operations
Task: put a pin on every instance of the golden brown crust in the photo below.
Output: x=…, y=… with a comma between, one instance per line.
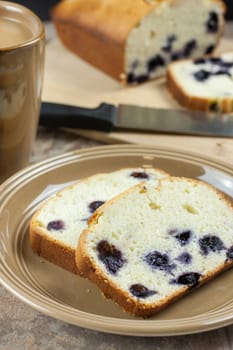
x=101, y=17
x=94, y=37
x=129, y=304
x=91, y=51
x=88, y=28
x=52, y=250
x=90, y=269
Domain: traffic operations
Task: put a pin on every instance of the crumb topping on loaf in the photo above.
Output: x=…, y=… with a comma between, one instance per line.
x=151, y=245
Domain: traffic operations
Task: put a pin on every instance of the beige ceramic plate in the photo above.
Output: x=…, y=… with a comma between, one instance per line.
x=65, y=296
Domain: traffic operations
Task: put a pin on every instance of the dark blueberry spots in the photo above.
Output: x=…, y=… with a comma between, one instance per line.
x=94, y=205
x=182, y=237
x=175, y=56
x=213, y=107
x=110, y=256
x=222, y=72
x=202, y=75
x=185, y=52
x=219, y=67
x=140, y=291
x=226, y=64
x=155, y=62
x=56, y=225
x=212, y=23
x=159, y=261
x=140, y=175
x=171, y=38
x=199, y=61
x=169, y=42
x=215, y=60
x=218, y=61
x=190, y=279
x=230, y=253
x=210, y=244
x=131, y=78
x=189, y=47
x=167, y=48
x=142, y=78
x=185, y=258
x=209, y=49
x=134, y=64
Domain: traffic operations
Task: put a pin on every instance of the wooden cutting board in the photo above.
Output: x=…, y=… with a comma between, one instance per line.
x=71, y=80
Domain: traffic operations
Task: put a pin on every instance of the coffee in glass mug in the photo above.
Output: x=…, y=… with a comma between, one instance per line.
x=22, y=44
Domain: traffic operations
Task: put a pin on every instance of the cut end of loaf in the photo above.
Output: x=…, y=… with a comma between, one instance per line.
x=203, y=84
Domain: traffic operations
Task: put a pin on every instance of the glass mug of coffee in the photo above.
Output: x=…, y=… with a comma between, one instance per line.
x=22, y=45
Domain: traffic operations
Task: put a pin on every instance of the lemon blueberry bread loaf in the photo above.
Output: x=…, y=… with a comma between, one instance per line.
x=57, y=224
x=150, y=245
x=204, y=83
x=134, y=40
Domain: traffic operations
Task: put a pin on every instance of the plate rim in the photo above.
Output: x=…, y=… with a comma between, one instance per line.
x=137, y=328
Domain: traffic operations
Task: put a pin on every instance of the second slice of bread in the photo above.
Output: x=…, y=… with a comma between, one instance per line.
x=151, y=245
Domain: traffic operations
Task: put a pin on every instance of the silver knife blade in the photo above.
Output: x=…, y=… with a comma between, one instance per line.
x=108, y=117
x=173, y=121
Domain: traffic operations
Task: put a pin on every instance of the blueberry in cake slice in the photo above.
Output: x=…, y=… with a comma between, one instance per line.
x=57, y=224
x=151, y=245
x=203, y=83
x=134, y=40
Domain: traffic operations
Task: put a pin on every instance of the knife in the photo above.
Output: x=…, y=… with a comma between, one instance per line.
x=108, y=117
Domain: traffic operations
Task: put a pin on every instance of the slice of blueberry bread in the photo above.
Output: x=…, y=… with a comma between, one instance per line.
x=56, y=226
x=204, y=83
x=151, y=245
x=134, y=40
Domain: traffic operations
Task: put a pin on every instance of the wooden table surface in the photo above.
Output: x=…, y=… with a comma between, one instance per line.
x=22, y=328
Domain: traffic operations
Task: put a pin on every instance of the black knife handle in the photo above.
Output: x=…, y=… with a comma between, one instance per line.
x=60, y=115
